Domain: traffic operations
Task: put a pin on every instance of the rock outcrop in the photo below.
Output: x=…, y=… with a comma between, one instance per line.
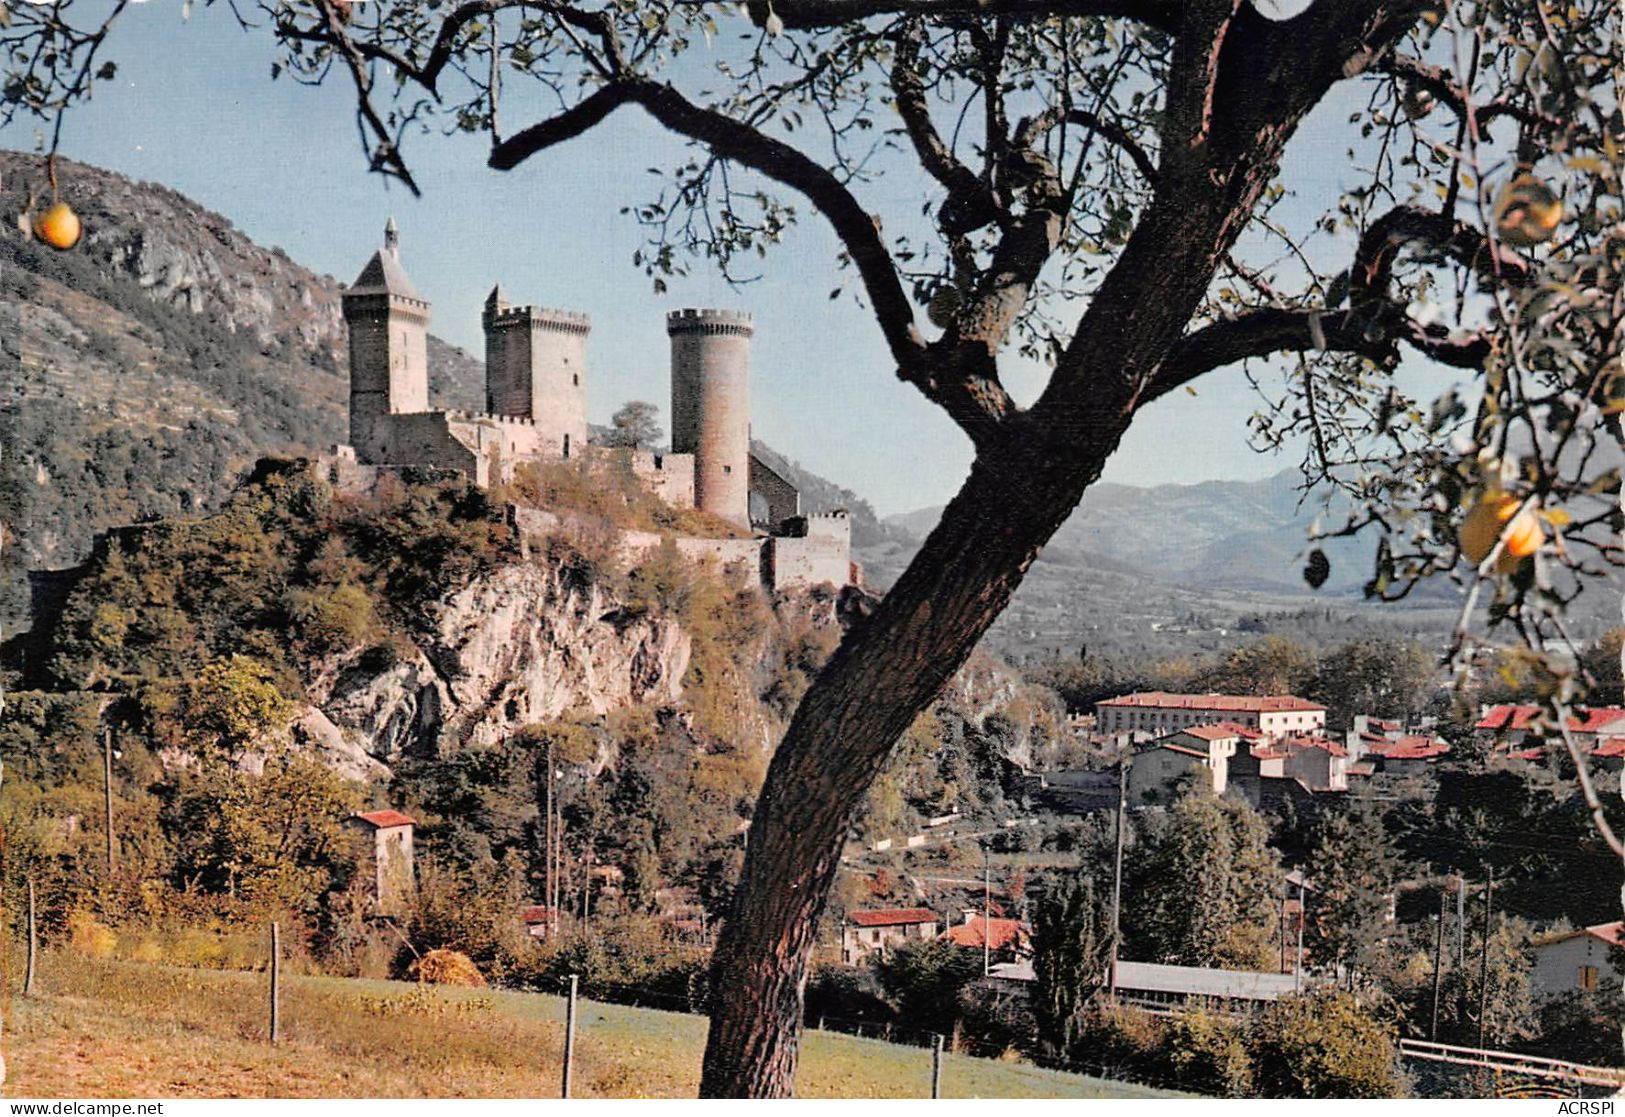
x=520, y=645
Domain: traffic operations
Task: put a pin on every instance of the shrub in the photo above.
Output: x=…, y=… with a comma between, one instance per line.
x=1321, y=1046
x=447, y=967
x=90, y=937
x=1207, y=1055
x=1118, y=1041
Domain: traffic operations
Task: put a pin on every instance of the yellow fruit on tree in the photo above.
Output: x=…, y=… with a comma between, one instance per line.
x=1523, y=537
x=1496, y=516
x=58, y=226
x=1527, y=212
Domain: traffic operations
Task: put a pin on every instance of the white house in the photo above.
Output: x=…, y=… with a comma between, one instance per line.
x=865, y=932
x=1578, y=959
x=1275, y=715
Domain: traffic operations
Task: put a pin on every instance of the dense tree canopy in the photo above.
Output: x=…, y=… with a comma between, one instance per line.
x=1096, y=184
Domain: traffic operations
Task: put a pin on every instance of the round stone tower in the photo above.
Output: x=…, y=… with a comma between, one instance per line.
x=710, y=406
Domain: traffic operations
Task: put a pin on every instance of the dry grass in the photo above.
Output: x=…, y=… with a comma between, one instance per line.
x=120, y=1029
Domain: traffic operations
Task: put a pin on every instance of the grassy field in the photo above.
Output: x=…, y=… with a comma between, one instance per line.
x=112, y=1029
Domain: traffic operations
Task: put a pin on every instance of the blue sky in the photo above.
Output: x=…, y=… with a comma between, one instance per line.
x=194, y=108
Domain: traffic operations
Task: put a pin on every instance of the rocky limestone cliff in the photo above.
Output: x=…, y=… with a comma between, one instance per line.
x=520, y=645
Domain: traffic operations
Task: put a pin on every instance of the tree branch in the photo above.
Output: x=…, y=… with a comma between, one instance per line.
x=730, y=139
x=814, y=14
x=1449, y=91
x=1403, y=225
x=1033, y=128
x=969, y=204
x=1260, y=333
x=445, y=44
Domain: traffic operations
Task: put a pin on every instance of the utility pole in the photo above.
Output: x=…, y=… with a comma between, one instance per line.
x=1117, y=875
x=107, y=792
x=569, y=1039
x=1303, y=915
x=561, y=886
x=586, y=890
x=33, y=944
x=547, y=852
x=1285, y=926
x=1461, y=921
x=276, y=983
x=1438, y=966
x=987, y=909
x=1484, y=962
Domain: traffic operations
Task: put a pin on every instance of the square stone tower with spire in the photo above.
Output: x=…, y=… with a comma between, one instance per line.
x=389, y=354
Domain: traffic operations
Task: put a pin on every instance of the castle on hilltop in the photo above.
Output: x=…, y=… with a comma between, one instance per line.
x=536, y=411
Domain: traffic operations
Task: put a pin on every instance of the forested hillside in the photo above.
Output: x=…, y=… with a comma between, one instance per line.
x=147, y=370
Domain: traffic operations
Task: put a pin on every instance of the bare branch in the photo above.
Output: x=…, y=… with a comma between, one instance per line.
x=385, y=155
x=444, y=46
x=1450, y=92
x=1260, y=333
x=1033, y=128
x=813, y=14
x=969, y=204
x=1405, y=225
x=730, y=139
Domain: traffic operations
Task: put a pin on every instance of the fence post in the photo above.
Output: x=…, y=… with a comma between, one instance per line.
x=569, y=1036
x=33, y=944
x=936, y=1066
x=276, y=982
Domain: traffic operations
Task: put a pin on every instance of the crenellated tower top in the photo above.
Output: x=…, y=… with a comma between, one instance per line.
x=701, y=320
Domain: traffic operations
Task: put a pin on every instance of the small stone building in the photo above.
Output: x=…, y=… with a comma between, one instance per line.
x=868, y=931
x=386, y=859
x=1579, y=960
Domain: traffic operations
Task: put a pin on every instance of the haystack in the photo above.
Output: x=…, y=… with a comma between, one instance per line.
x=448, y=967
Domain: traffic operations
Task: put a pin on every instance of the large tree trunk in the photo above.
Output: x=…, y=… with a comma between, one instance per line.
x=894, y=664
x=883, y=675
x=1021, y=488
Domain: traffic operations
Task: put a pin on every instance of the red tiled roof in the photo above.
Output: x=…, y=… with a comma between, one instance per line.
x=1612, y=746
x=1507, y=717
x=535, y=913
x=385, y=818
x=1585, y=719
x=1156, y=699
x=1001, y=932
x=1361, y=769
x=1266, y=752
x=1221, y=731
x=1180, y=749
x=1315, y=743
x=1409, y=748
x=1529, y=754
x=1609, y=932
x=1217, y=731
x=892, y=917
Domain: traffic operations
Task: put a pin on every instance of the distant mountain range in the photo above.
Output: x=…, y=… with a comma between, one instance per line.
x=1178, y=569
x=1244, y=534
